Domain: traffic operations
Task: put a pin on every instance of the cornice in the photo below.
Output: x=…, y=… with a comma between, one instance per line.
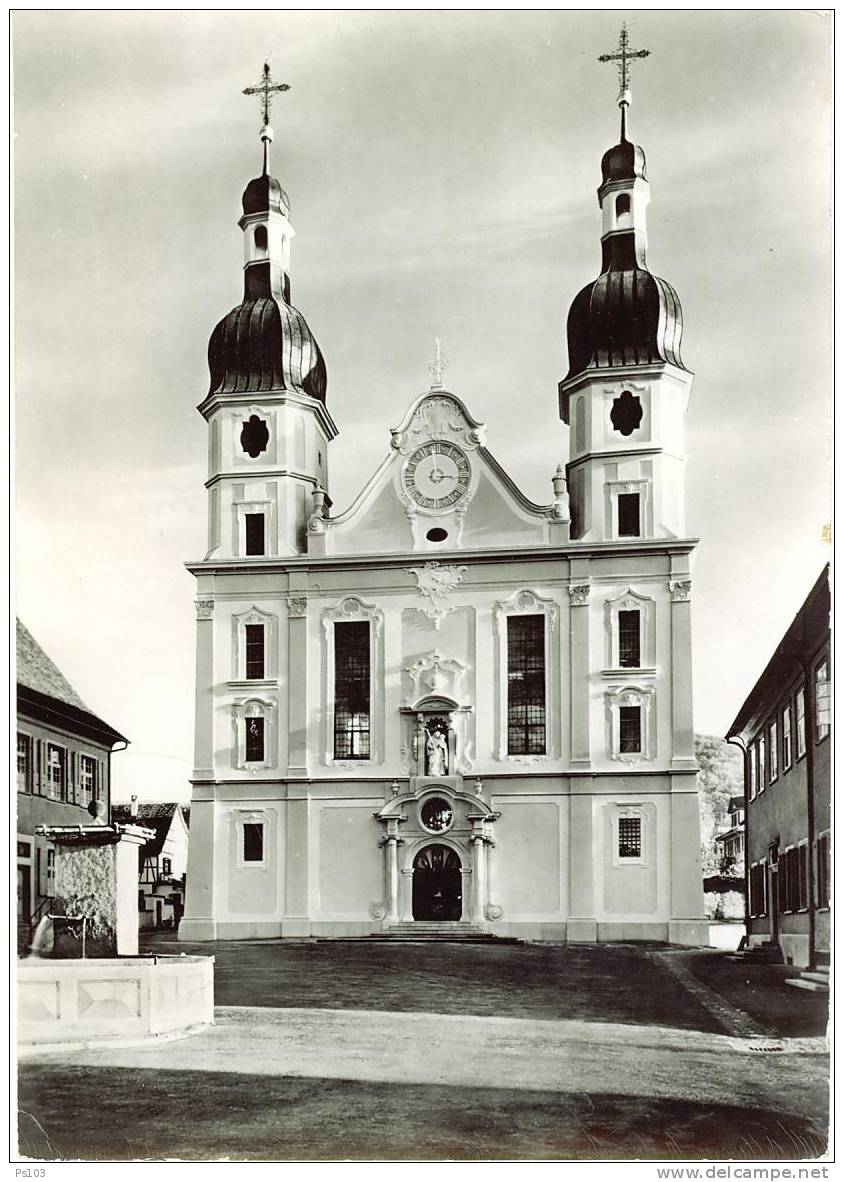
x=214, y=402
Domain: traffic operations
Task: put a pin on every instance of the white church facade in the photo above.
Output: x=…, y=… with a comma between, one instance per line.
x=446, y=705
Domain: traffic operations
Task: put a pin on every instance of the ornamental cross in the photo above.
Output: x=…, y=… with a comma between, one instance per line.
x=624, y=56
x=266, y=88
x=437, y=366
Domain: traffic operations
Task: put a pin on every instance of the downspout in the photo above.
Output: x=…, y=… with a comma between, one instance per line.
x=738, y=742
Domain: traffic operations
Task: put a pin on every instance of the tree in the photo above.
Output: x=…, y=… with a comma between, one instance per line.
x=719, y=778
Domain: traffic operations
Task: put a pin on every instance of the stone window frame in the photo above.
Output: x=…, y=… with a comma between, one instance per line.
x=254, y=707
x=242, y=509
x=254, y=615
x=613, y=488
x=526, y=602
x=352, y=610
x=643, y=433
x=630, y=600
x=244, y=817
x=631, y=812
x=237, y=418
x=632, y=695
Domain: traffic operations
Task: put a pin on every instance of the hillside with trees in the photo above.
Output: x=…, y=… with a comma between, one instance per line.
x=719, y=778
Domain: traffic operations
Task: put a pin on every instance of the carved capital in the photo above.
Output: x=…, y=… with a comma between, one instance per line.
x=204, y=609
x=681, y=590
x=297, y=606
x=579, y=595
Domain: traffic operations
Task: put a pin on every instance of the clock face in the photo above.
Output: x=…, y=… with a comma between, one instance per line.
x=436, y=475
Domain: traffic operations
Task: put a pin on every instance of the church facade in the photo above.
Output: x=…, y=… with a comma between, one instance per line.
x=446, y=705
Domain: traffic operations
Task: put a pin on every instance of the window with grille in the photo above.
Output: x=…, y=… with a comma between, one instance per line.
x=822, y=848
x=255, y=740
x=254, y=533
x=629, y=640
x=526, y=685
x=757, y=889
x=786, y=738
x=88, y=778
x=800, y=711
x=56, y=771
x=630, y=837
x=24, y=763
x=254, y=651
x=822, y=701
x=253, y=841
x=773, y=769
x=628, y=515
x=629, y=729
x=351, y=690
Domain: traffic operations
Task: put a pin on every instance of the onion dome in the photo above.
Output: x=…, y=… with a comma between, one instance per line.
x=626, y=316
x=265, y=343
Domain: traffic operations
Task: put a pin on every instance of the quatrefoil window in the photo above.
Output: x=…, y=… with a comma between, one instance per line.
x=255, y=436
x=626, y=413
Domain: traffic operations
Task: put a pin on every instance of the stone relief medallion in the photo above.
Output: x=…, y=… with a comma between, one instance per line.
x=438, y=417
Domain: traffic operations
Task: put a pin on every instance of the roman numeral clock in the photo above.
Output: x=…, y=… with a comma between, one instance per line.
x=436, y=475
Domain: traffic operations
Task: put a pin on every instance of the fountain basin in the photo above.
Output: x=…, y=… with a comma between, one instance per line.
x=113, y=997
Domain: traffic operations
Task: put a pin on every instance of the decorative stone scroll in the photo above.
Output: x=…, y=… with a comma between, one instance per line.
x=438, y=417
x=436, y=583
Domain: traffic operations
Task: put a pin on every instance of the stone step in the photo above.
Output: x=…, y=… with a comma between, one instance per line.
x=812, y=986
x=820, y=975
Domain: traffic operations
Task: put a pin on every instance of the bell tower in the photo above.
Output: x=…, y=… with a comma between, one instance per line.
x=268, y=425
x=626, y=391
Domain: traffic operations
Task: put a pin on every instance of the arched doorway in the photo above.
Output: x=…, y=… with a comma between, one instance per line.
x=437, y=884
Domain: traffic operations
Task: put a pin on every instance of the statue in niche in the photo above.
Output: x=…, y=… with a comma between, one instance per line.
x=436, y=751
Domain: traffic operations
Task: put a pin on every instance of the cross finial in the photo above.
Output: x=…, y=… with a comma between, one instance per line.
x=624, y=57
x=266, y=88
x=437, y=366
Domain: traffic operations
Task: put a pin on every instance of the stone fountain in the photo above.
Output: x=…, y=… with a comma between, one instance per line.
x=84, y=979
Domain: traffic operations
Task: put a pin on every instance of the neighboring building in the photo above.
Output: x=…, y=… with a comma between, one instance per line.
x=63, y=764
x=783, y=728
x=162, y=862
x=730, y=842
x=447, y=703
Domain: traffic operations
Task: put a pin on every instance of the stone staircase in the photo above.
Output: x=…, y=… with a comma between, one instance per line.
x=766, y=953
x=815, y=980
x=443, y=930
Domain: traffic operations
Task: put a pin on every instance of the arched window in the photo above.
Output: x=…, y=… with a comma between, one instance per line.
x=261, y=239
x=622, y=207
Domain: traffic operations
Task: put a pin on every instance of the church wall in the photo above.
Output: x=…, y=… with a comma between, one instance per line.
x=348, y=865
x=530, y=856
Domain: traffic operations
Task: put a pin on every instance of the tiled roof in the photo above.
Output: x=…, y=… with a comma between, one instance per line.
x=155, y=815
x=37, y=672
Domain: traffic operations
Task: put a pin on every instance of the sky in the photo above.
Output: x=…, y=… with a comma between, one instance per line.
x=442, y=169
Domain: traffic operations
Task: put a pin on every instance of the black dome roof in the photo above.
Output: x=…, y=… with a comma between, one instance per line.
x=265, y=344
x=628, y=317
x=263, y=194
x=624, y=162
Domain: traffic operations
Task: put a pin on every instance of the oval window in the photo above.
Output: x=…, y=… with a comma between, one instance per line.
x=436, y=534
x=436, y=814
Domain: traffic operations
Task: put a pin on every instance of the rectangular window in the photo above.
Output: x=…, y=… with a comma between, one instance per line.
x=629, y=640
x=786, y=738
x=628, y=515
x=253, y=841
x=802, y=877
x=757, y=889
x=351, y=691
x=254, y=740
x=88, y=778
x=760, y=748
x=24, y=763
x=630, y=837
x=801, y=722
x=773, y=770
x=822, y=701
x=526, y=685
x=822, y=847
x=255, y=533
x=751, y=772
x=629, y=729
x=166, y=867
x=51, y=872
x=254, y=651
x=56, y=772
